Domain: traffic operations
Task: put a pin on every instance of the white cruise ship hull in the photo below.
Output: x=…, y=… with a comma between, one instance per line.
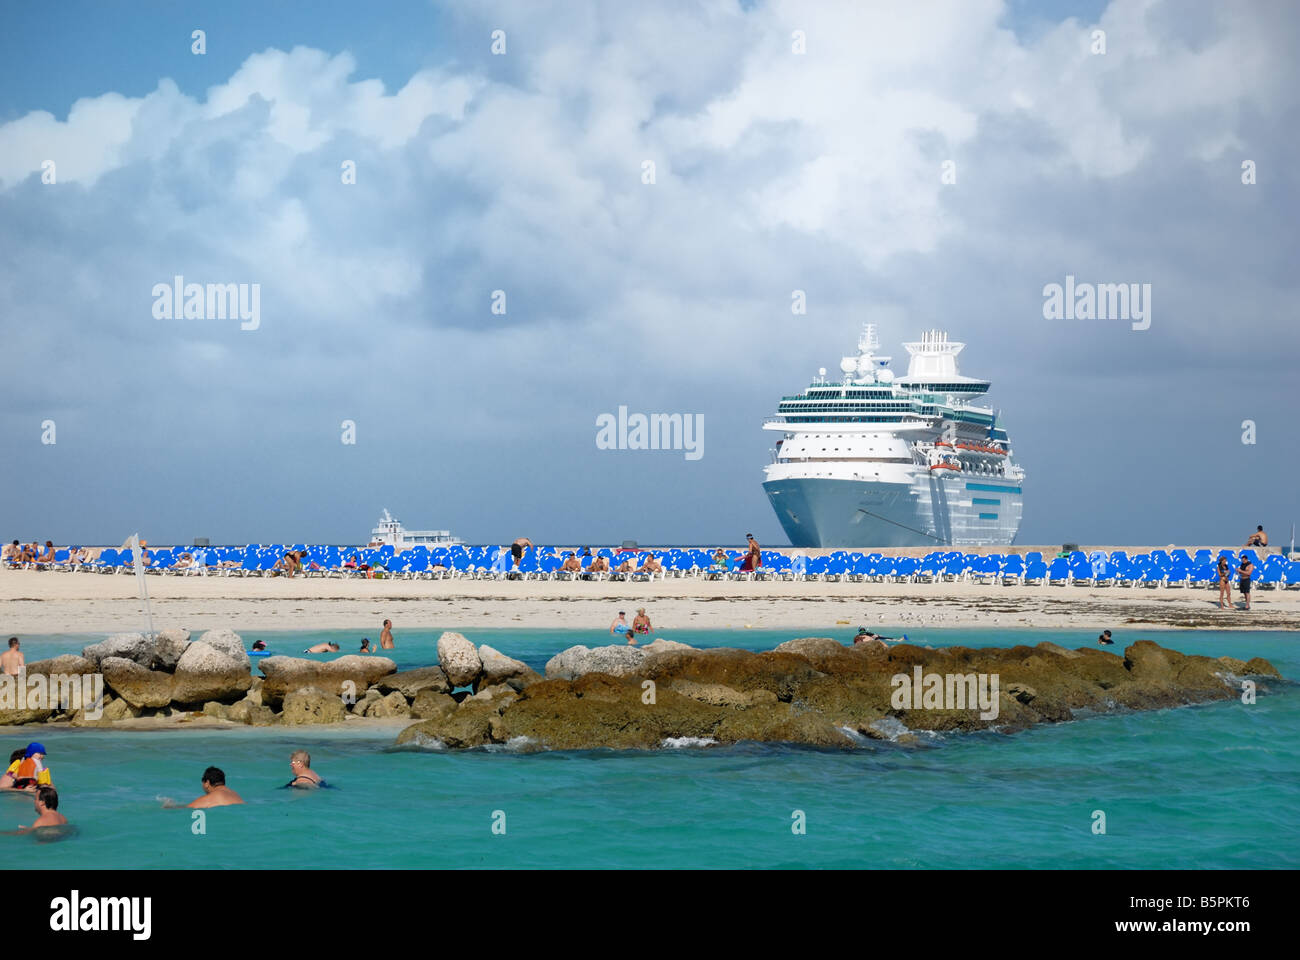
x=926, y=509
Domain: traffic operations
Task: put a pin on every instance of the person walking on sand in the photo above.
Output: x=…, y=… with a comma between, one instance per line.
x=304, y=777
x=386, y=635
x=1244, y=573
x=12, y=659
x=215, y=791
x=1225, y=582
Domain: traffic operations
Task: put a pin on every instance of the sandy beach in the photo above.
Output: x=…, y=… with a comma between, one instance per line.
x=39, y=602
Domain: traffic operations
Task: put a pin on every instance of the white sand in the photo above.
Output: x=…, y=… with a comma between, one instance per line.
x=49, y=602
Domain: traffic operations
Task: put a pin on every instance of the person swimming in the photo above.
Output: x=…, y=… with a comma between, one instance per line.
x=304, y=777
x=11, y=774
x=1104, y=639
x=325, y=647
x=365, y=646
x=31, y=772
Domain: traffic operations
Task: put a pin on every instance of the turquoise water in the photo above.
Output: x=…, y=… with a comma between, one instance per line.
x=1208, y=786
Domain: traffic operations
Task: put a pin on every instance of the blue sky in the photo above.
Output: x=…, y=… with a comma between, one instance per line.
x=522, y=172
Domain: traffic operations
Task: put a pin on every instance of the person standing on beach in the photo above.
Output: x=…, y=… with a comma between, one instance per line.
x=755, y=558
x=12, y=659
x=1244, y=572
x=517, y=549
x=1225, y=582
x=386, y=635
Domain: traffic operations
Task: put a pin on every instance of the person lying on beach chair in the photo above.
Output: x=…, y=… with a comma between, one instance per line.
x=598, y=566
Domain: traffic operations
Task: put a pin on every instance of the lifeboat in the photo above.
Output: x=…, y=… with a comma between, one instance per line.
x=945, y=466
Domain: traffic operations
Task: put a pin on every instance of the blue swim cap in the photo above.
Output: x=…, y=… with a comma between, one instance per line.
x=35, y=748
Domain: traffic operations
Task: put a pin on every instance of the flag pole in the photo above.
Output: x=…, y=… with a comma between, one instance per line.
x=140, y=582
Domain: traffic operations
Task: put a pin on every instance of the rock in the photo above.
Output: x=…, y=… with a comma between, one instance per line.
x=498, y=668
x=617, y=660
x=18, y=717
x=139, y=686
x=722, y=696
x=664, y=646
x=246, y=711
x=411, y=682
x=69, y=664
x=284, y=674
x=228, y=642
x=1259, y=667
x=127, y=646
x=468, y=726
x=312, y=705
x=169, y=646
x=393, y=705
x=116, y=709
x=780, y=722
x=458, y=659
x=820, y=646
x=429, y=703
x=218, y=711
x=205, y=672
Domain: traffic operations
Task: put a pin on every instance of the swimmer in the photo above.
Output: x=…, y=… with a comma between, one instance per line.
x=1105, y=639
x=326, y=647
x=12, y=659
x=620, y=625
x=304, y=777
x=864, y=635
x=365, y=646
x=386, y=636
x=259, y=644
x=215, y=791
x=47, y=810
x=11, y=774
x=31, y=772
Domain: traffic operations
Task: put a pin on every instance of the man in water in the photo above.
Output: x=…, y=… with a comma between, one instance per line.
x=215, y=791
x=304, y=777
x=47, y=809
x=12, y=659
x=386, y=635
x=1257, y=539
x=1105, y=639
x=864, y=635
x=323, y=647
x=365, y=646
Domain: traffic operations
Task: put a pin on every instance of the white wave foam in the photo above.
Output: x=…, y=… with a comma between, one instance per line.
x=677, y=743
x=891, y=728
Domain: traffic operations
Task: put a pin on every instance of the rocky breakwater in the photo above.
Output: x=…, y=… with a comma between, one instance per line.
x=816, y=691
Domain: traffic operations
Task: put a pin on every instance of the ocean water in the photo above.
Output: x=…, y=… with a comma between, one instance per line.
x=1211, y=786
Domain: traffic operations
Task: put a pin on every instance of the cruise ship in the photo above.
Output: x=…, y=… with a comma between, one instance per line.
x=390, y=532
x=877, y=461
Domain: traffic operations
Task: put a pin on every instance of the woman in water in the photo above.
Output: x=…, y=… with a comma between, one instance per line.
x=641, y=623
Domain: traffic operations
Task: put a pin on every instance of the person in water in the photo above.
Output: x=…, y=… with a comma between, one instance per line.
x=304, y=777
x=365, y=646
x=47, y=809
x=386, y=636
x=259, y=644
x=324, y=647
x=12, y=659
x=1105, y=639
x=864, y=635
x=620, y=625
x=31, y=772
x=11, y=773
x=215, y=791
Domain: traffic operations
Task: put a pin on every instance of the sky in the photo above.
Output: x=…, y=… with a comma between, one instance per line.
x=914, y=165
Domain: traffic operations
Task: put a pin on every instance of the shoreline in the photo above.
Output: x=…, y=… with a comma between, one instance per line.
x=37, y=602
